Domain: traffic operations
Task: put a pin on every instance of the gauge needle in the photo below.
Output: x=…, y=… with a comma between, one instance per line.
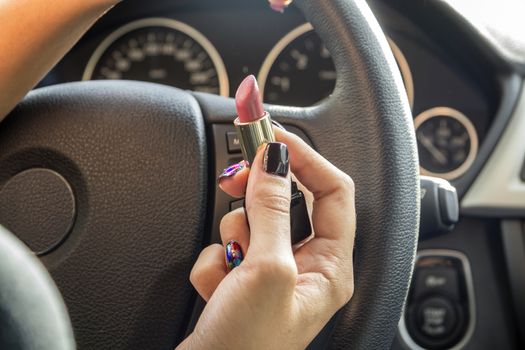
x=437, y=154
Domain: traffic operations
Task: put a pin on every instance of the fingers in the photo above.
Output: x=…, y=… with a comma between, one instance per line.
x=268, y=202
x=279, y=5
x=233, y=180
x=210, y=268
x=208, y=271
x=308, y=165
x=235, y=186
x=333, y=190
x=313, y=170
x=235, y=227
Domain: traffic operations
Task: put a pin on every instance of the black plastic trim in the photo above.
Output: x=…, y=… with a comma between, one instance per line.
x=511, y=86
x=513, y=239
x=522, y=175
x=493, y=212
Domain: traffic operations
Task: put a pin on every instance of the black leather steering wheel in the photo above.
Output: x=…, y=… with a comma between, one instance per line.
x=136, y=157
x=32, y=313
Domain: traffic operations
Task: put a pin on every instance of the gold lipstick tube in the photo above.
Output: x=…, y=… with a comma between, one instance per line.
x=253, y=134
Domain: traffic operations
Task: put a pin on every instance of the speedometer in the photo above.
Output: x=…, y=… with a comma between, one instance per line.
x=160, y=50
x=299, y=70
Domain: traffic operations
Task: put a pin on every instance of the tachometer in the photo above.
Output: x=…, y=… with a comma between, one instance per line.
x=160, y=50
x=299, y=70
x=447, y=142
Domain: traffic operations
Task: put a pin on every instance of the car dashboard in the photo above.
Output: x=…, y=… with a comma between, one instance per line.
x=211, y=46
x=459, y=101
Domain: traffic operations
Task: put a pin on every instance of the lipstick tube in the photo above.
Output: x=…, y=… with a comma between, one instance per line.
x=254, y=134
x=254, y=128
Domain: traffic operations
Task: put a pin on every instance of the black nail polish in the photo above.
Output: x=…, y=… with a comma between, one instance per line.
x=276, y=160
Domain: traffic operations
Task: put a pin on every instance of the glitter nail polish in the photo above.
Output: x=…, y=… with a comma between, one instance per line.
x=232, y=170
x=234, y=254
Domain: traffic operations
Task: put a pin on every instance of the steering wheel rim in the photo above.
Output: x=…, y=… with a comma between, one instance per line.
x=369, y=113
x=387, y=195
x=29, y=291
x=366, y=122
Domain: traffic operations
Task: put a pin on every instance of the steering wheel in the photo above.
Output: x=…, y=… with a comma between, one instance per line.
x=135, y=157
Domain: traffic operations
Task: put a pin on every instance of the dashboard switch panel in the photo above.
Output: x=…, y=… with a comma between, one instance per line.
x=437, y=317
x=234, y=143
x=226, y=154
x=437, y=280
x=439, y=312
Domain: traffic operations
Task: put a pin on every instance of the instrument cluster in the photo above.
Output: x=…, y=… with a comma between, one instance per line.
x=295, y=70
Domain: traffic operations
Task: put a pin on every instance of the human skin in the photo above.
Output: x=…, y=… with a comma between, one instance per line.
x=36, y=34
x=279, y=297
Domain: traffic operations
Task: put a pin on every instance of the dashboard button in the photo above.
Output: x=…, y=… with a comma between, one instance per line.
x=437, y=280
x=437, y=317
x=234, y=144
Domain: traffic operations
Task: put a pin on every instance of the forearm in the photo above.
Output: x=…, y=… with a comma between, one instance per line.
x=35, y=35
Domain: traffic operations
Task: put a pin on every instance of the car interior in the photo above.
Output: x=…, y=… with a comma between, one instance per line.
x=108, y=166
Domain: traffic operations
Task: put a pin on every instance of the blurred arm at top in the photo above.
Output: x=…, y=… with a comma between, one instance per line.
x=36, y=34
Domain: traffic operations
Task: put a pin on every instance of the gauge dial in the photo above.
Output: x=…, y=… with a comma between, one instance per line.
x=163, y=51
x=447, y=142
x=299, y=70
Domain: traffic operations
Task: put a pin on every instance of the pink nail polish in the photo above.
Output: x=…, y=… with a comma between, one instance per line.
x=279, y=5
x=278, y=8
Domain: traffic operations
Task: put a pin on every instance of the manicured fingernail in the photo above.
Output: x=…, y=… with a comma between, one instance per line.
x=277, y=8
x=278, y=125
x=279, y=5
x=233, y=254
x=231, y=170
x=276, y=160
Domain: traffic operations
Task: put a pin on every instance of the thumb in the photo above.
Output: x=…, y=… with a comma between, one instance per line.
x=268, y=202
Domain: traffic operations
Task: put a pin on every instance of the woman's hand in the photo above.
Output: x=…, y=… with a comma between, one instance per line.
x=277, y=298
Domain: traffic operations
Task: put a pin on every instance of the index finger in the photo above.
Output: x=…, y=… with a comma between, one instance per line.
x=308, y=165
x=333, y=190
x=313, y=170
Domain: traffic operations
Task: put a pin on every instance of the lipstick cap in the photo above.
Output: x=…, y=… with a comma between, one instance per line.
x=254, y=134
x=300, y=226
